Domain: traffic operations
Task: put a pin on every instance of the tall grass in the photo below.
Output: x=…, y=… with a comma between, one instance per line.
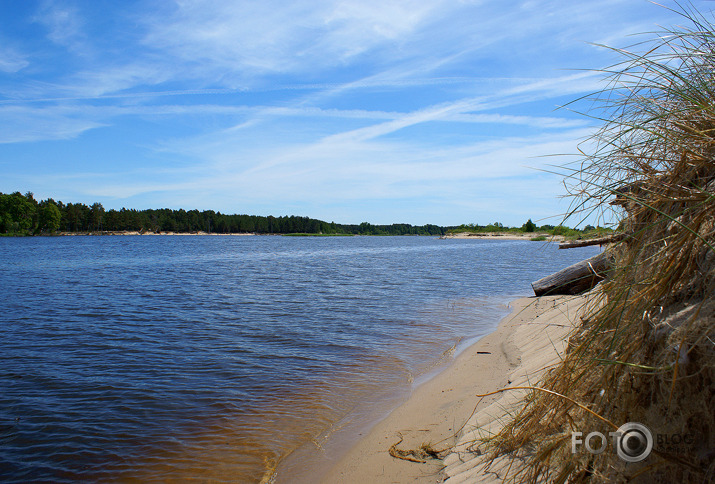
x=646, y=350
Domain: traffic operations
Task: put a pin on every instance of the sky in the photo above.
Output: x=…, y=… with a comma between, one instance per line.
x=412, y=111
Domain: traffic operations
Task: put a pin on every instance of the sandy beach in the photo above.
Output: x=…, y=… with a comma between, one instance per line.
x=446, y=413
x=504, y=236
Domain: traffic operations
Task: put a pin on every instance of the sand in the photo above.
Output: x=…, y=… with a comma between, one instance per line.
x=504, y=236
x=446, y=412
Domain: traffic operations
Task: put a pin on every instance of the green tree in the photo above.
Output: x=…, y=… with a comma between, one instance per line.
x=529, y=226
x=96, y=216
x=18, y=213
x=49, y=219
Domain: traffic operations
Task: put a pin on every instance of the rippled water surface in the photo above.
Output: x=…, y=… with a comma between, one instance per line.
x=167, y=358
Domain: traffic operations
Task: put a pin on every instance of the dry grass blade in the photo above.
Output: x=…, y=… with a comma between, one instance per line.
x=556, y=394
x=646, y=353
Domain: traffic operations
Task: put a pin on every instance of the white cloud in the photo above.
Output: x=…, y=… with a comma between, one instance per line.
x=97, y=83
x=38, y=120
x=385, y=169
x=453, y=110
x=12, y=61
x=314, y=100
x=63, y=23
x=470, y=178
x=240, y=44
x=21, y=124
x=254, y=38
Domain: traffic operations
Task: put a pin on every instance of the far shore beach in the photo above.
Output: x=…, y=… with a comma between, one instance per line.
x=461, y=235
x=504, y=236
x=446, y=411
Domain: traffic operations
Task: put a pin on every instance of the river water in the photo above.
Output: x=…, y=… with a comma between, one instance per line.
x=188, y=357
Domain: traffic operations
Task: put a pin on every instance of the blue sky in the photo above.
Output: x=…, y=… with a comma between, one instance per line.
x=414, y=111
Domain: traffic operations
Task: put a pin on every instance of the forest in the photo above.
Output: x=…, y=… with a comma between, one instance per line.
x=23, y=215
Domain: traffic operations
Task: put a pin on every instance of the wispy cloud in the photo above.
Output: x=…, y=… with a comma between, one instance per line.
x=249, y=39
x=461, y=109
x=63, y=23
x=306, y=103
x=21, y=125
x=12, y=61
x=237, y=45
x=380, y=171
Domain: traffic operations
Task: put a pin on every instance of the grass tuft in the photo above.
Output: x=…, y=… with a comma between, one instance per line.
x=646, y=350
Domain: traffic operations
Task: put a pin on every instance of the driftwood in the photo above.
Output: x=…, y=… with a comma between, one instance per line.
x=600, y=241
x=420, y=455
x=576, y=278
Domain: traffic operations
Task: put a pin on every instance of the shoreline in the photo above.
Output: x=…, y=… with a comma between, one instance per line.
x=445, y=412
x=202, y=233
x=506, y=236
x=137, y=232
x=461, y=236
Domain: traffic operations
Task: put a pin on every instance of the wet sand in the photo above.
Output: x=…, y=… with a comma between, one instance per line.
x=445, y=411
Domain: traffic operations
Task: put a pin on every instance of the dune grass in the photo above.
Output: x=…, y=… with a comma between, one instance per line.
x=645, y=352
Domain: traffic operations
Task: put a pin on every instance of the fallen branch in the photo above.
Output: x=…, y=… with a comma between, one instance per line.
x=574, y=279
x=599, y=241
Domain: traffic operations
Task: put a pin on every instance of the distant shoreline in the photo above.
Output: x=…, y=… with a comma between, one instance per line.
x=462, y=235
x=201, y=233
x=147, y=232
x=505, y=236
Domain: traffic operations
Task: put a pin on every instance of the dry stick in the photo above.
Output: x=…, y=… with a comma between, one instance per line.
x=595, y=273
x=403, y=454
x=420, y=455
x=600, y=241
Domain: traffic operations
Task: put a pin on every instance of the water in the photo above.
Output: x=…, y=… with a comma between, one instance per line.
x=170, y=358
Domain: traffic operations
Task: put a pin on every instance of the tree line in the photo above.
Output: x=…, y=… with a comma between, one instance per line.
x=23, y=215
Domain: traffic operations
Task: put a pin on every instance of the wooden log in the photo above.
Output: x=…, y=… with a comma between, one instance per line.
x=600, y=241
x=574, y=279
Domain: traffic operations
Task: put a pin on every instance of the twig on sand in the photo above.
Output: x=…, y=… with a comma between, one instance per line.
x=420, y=455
